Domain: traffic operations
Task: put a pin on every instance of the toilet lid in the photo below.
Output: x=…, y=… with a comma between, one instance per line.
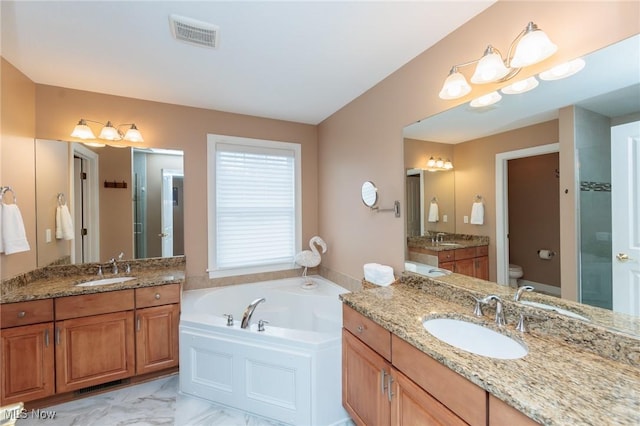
x=513, y=267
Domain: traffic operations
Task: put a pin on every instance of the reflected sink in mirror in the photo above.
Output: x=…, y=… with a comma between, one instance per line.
x=105, y=281
x=425, y=270
x=449, y=244
x=475, y=338
x=554, y=309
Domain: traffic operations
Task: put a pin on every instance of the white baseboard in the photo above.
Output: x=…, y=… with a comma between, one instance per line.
x=541, y=288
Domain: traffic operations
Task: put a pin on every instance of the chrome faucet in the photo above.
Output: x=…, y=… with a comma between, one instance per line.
x=248, y=312
x=114, y=266
x=521, y=290
x=500, y=319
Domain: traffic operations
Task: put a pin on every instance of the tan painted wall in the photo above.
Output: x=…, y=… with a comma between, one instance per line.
x=363, y=141
x=18, y=118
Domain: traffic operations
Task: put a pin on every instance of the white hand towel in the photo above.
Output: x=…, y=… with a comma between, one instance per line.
x=64, y=223
x=381, y=275
x=434, y=215
x=14, y=237
x=477, y=213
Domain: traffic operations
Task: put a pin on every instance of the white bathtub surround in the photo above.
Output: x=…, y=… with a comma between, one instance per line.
x=155, y=403
x=291, y=372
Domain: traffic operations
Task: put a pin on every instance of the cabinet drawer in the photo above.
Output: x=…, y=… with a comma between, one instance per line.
x=446, y=256
x=158, y=295
x=465, y=253
x=24, y=313
x=368, y=331
x=482, y=251
x=464, y=398
x=93, y=304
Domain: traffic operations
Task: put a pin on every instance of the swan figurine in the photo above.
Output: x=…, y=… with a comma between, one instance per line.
x=311, y=258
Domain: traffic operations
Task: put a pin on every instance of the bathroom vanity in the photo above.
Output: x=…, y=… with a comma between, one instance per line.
x=395, y=372
x=59, y=340
x=463, y=254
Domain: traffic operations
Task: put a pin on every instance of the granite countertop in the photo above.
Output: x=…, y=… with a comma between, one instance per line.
x=50, y=285
x=556, y=383
x=451, y=242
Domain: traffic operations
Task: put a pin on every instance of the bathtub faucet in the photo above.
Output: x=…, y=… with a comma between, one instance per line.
x=248, y=312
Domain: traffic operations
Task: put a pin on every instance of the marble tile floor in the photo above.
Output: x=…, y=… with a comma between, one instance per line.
x=147, y=404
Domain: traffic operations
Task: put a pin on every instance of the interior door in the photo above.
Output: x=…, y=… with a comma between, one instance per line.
x=413, y=205
x=166, y=221
x=625, y=209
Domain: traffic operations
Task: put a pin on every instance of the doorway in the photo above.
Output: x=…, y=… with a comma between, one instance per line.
x=502, y=210
x=86, y=211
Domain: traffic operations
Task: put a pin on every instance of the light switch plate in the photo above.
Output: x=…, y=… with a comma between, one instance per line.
x=47, y=235
x=465, y=219
x=445, y=218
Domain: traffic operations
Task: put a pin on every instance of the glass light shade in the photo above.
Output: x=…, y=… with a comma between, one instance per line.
x=563, y=70
x=133, y=135
x=82, y=131
x=486, y=100
x=448, y=165
x=490, y=68
x=520, y=86
x=440, y=163
x=455, y=86
x=109, y=133
x=532, y=48
x=431, y=162
x=95, y=144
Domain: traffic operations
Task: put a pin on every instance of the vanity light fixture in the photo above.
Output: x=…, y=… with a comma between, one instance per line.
x=109, y=132
x=434, y=165
x=530, y=47
x=520, y=86
x=485, y=100
x=563, y=70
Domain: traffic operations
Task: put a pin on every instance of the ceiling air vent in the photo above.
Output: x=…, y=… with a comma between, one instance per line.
x=194, y=32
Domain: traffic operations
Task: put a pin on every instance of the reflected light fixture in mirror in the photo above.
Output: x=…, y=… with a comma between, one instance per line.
x=109, y=132
x=530, y=47
x=434, y=165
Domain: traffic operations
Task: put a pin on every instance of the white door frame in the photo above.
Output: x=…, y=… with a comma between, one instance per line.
x=419, y=172
x=92, y=203
x=502, y=204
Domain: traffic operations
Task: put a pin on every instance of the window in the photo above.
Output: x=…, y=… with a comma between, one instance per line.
x=254, y=205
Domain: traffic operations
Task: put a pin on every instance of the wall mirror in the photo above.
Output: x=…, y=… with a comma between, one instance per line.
x=609, y=85
x=126, y=200
x=369, y=194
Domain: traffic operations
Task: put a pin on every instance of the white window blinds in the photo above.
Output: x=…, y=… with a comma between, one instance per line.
x=255, y=205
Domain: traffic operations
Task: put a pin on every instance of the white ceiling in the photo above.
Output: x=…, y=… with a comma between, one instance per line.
x=298, y=60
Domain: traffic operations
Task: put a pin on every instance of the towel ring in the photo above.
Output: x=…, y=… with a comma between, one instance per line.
x=61, y=199
x=6, y=189
x=478, y=198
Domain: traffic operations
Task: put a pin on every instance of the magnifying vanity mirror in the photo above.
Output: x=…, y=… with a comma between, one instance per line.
x=607, y=90
x=369, y=194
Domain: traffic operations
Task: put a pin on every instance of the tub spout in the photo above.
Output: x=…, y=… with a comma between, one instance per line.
x=248, y=312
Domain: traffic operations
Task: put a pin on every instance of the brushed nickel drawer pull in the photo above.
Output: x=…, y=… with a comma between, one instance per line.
x=46, y=337
x=137, y=322
x=22, y=314
x=383, y=382
x=157, y=296
x=58, y=336
x=389, y=390
x=360, y=329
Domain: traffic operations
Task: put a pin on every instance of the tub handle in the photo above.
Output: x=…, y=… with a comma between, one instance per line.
x=261, y=324
x=229, y=320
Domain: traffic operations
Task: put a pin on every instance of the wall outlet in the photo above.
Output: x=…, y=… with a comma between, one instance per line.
x=47, y=235
x=465, y=219
x=445, y=218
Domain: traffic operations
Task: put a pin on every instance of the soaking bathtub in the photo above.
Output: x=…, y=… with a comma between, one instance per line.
x=290, y=372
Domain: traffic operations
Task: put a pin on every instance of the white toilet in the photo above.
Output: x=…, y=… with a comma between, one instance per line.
x=515, y=272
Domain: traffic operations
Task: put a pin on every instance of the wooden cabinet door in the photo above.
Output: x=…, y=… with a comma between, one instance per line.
x=94, y=350
x=157, y=338
x=413, y=406
x=27, y=358
x=482, y=267
x=465, y=267
x=502, y=414
x=364, y=383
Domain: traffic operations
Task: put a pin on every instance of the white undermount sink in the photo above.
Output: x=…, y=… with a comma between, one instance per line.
x=450, y=244
x=105, y=281
x=475, y=338
x=554, y=309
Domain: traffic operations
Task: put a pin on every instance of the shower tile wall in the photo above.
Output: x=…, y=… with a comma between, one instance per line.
x=593, y=142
